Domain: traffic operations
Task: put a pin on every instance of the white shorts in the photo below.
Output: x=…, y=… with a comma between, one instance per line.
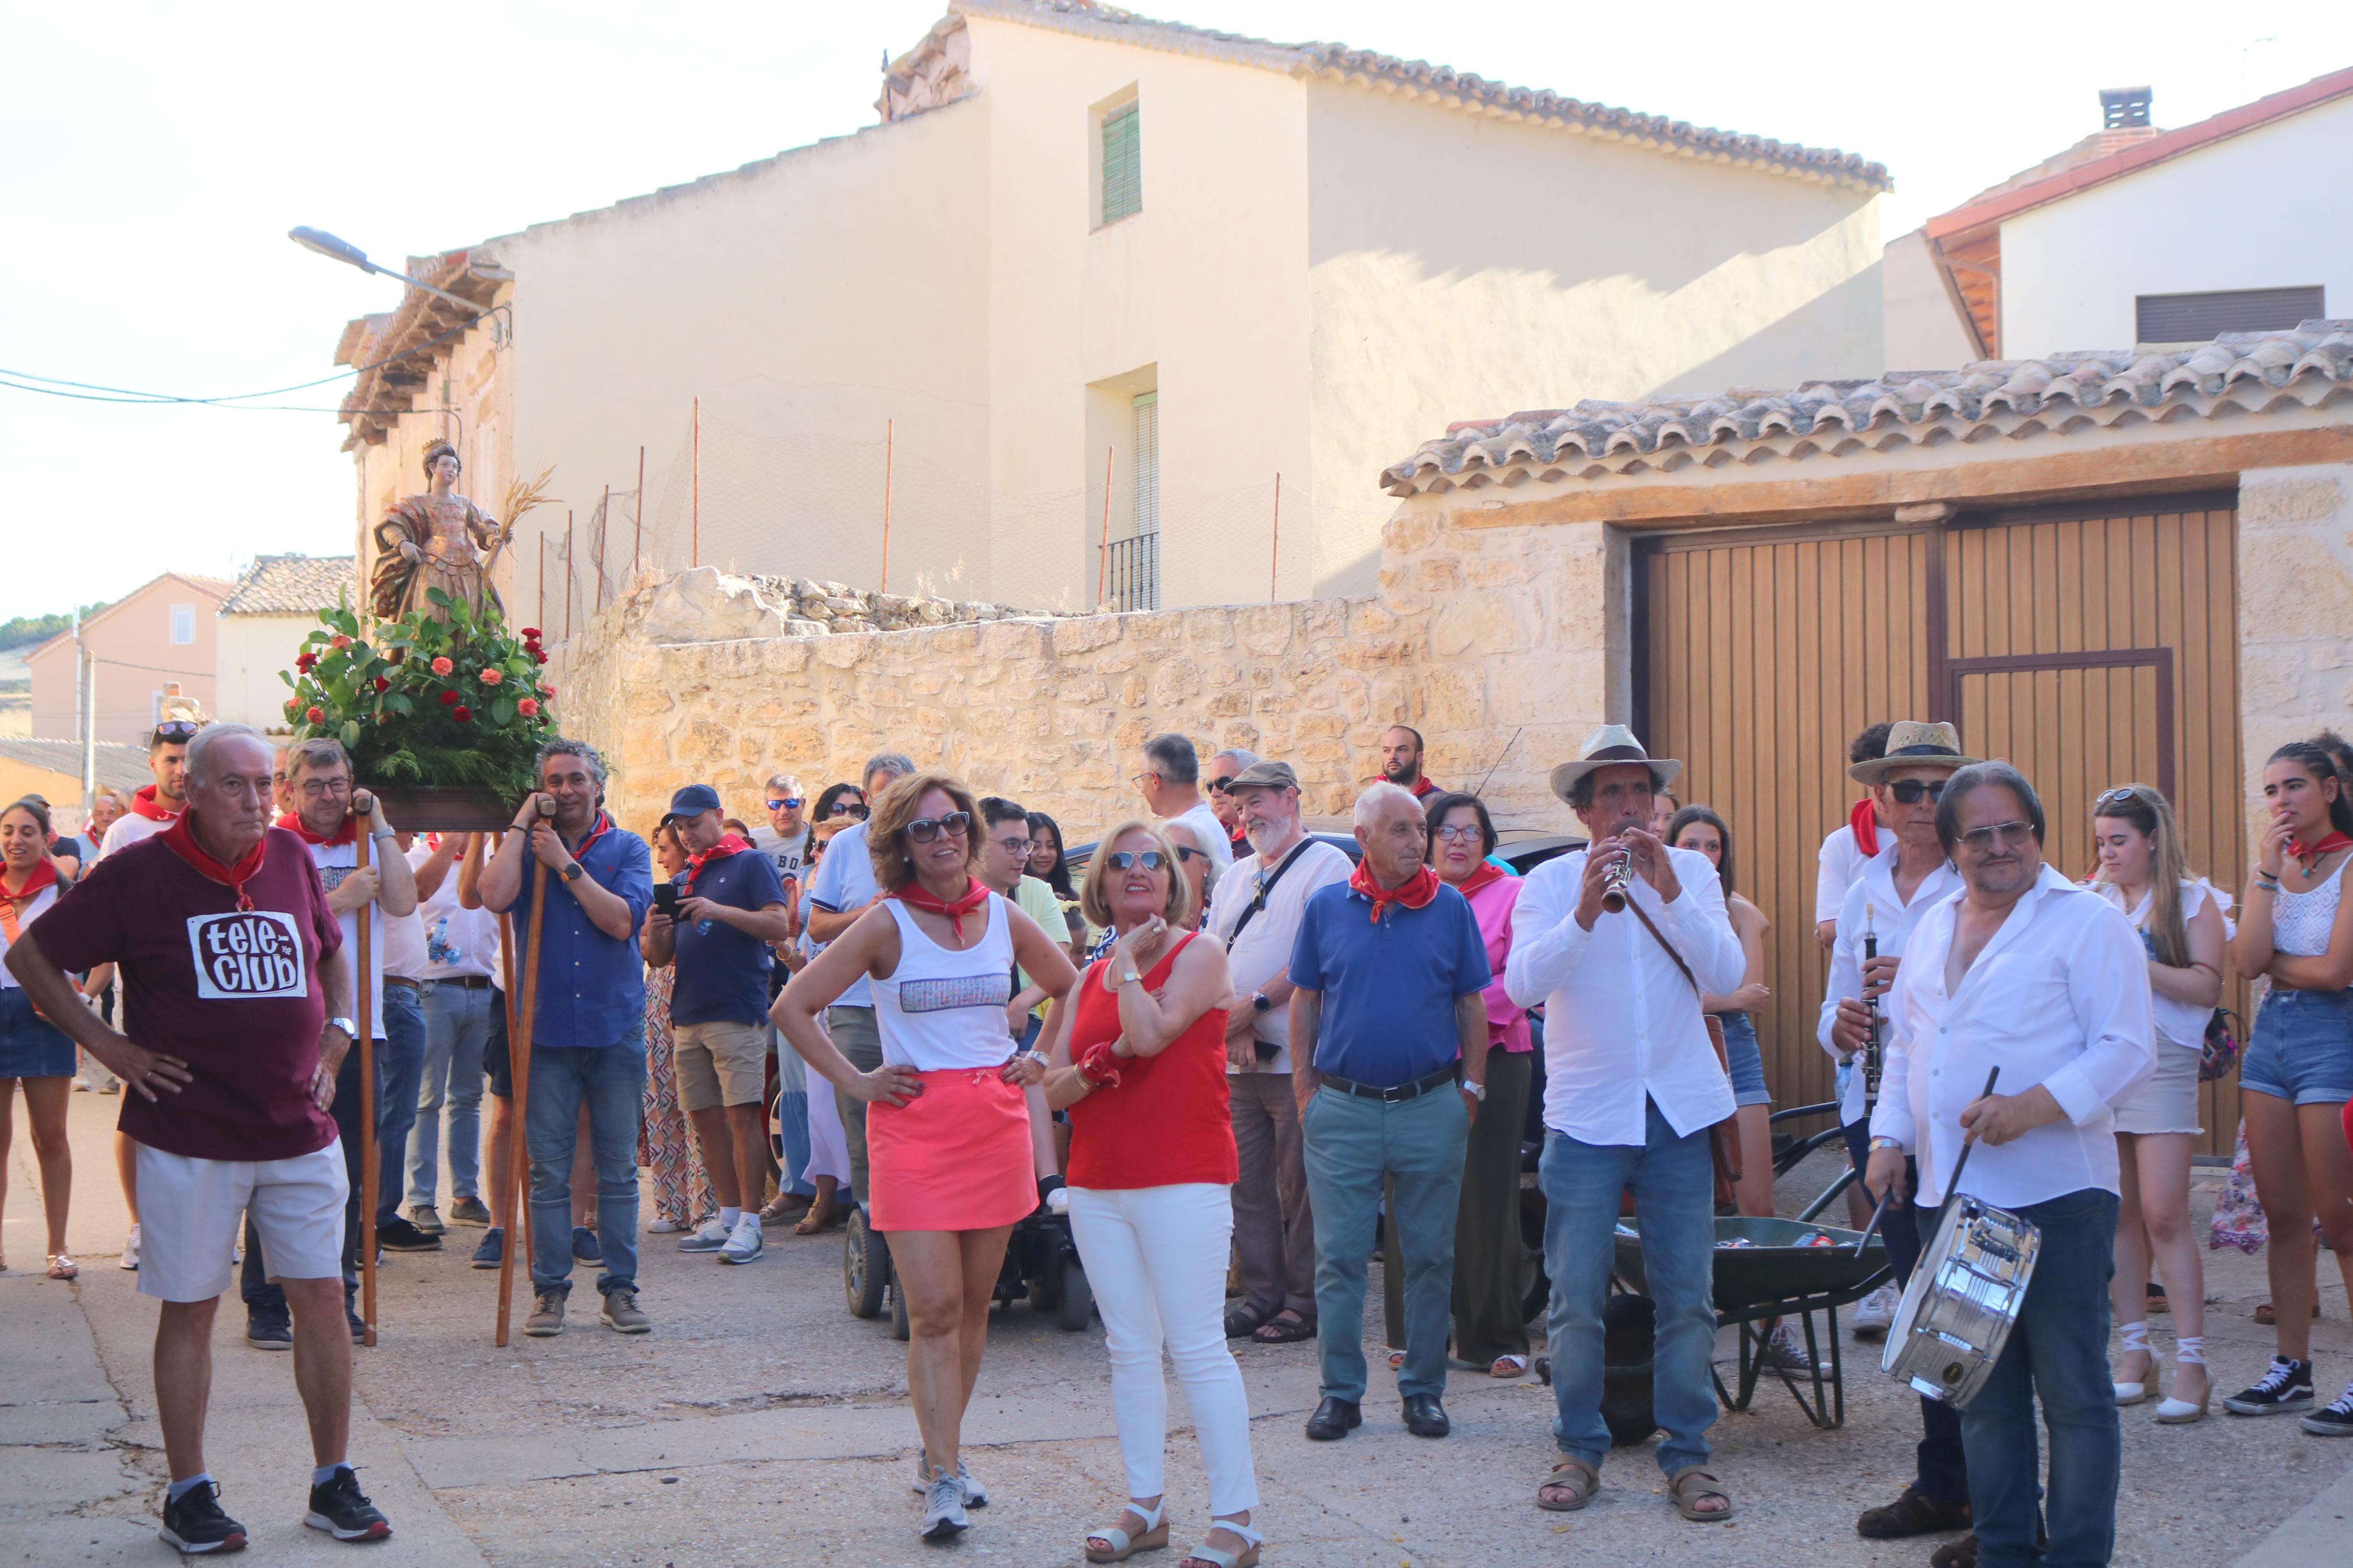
x=190, y=1209
x=2166, y=1101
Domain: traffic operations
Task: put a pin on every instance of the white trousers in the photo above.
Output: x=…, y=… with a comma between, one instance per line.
x=1156, y=1260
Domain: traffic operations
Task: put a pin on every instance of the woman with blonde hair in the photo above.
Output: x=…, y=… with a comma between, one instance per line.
x=947, y=1136
x=2144, y=873
x=1141, y=1066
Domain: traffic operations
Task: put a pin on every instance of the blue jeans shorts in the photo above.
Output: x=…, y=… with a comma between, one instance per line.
x=1745, y=1057
x=2303, y=1048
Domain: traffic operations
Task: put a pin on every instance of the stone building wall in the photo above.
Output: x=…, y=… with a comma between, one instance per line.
x=2295, y=608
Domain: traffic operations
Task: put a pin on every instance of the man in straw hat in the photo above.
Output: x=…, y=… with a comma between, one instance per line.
x=1632, y=1085
x=1886, y=901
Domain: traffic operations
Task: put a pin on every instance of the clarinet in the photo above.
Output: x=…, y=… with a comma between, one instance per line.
x=1873, y=1057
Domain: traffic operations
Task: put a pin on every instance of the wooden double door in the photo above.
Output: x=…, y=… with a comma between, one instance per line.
x=2089, y=646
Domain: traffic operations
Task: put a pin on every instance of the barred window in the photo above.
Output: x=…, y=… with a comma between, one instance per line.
x=1123, y=164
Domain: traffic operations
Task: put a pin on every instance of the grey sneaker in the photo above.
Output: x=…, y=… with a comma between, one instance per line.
x=468, y=1211
x=745, y=1245
x=975, y=1495
x=546, y=1320
x=708, y=1236
x=1785, y=1350
x=621, y=1315
x=943, y=1508
x=424, y=1218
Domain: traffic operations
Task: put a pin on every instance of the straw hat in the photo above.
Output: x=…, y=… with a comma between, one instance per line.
x=1606, y=747
x=1912, y=744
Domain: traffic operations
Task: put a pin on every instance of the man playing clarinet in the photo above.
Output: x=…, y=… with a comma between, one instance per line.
x=2024, y=972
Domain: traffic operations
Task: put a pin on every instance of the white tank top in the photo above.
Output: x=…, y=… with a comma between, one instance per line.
x=2301, y=922
x=2178, y=1023
x=941, y=1010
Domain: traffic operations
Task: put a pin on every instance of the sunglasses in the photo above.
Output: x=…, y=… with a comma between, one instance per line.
x=2126, y=795
x=1910, y=791
x=1185, y=854
x=1150, y=860
x=1981, y=840
x=923, y=829
x=849, y=808
x=175, y=732
x=1219, y=787
x=790, y=803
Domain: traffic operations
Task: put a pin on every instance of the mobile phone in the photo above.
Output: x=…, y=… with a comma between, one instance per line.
x=666, y=899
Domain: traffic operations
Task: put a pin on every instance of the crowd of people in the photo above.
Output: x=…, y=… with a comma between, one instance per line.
x=1236, y=1054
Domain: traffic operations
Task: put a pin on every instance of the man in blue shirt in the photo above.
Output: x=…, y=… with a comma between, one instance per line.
x=1387, y=1025
x=588, y=1028
x=730, y=907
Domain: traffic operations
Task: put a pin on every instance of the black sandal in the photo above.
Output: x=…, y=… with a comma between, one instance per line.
x=1275, y=1332
x=1244, y=1320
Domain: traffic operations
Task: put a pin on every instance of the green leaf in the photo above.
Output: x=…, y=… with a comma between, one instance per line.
x=399, y=703
x=351, y=734
x=503, y=711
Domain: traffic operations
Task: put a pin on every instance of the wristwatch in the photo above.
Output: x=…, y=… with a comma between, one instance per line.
x=574, y=872
x=1477, y=1091
x=1259, y=1004
x=349, y=1027
x=1887, y=1144
x=1129, y=977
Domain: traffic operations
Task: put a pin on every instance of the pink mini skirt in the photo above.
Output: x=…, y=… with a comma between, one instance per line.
x=956, y=1157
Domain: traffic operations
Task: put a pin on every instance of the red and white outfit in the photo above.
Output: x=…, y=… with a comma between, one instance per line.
x=957, y=1156
x=145, y=819
x=337, y=856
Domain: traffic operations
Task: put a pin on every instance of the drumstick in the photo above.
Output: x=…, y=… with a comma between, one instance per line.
x=519, y=1066
x=1969, y=1142
x=1864, y=1240
x=364, y=807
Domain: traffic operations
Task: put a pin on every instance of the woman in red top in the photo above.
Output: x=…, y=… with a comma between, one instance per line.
x=1142, y=1068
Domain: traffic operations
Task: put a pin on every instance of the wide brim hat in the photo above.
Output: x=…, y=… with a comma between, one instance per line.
x=1914, y=744
x=1612, y=745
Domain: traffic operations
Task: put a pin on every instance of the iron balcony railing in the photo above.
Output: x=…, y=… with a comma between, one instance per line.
x=1131, y=573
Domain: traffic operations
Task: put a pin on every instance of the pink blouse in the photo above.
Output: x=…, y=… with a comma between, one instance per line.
x=1491, y=906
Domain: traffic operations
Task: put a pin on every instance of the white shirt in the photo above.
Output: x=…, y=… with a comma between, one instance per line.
x=1840, y=862
x=1895, y=921
x=335, y=862
x=2058, y=997
x=2178, y=1023
x=34, y=908
x=1622, y=1023
x=1265, y=949
x=457, y=941
x=787, y=854
x=1210, y=836
x=130, y=829
x=844, y=882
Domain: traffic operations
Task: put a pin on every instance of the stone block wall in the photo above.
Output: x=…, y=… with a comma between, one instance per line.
x=2295, y=608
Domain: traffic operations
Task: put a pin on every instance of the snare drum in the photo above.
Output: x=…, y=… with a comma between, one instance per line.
x=1962, y=1302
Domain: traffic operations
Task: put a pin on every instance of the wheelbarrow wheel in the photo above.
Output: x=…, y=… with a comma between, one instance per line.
x=865, y=1266
x=1077, y=1308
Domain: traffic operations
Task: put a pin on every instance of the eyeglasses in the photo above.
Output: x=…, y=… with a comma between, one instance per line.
x=174, y=732
x=849, y=808
x=1219, y=787
x=790, y=803
x=1129, y=859
x=1909, y=791
x=923, y=829
x=1981, y=841
x=1457, y=833
x=320, y=789
x=1142, y=780
x=1014, y=845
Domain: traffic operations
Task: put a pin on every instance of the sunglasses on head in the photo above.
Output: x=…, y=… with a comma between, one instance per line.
x=1129, y=859
x=175, y=732
x=923, y=829
x=1910, y=791
x=789, y=803
x=2126, y=795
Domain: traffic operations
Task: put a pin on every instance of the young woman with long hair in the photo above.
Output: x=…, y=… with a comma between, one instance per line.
x=34, y=1052
x=2296, y=930
x=2143, y=871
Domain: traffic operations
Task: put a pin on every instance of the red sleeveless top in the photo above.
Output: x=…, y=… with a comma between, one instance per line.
x=1167, y=1120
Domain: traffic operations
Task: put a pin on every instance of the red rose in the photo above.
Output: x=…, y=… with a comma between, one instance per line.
x=305, y=661
x=463, y=714
x=448, y=700
x=381, y=684
x=492, y=676
x=339, y=640
x=531, y=634
x=442, y=667
x=537, y=654
x=293, y=705
x=528, y=708
x=315, y=715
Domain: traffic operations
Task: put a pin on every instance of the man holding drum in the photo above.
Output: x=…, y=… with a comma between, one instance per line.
x=2027, y=973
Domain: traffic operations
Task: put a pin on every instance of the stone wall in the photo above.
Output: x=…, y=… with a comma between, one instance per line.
x=2295, y=608
x=1492, y=641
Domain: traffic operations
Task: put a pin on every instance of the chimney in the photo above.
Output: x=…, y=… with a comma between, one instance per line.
x=2124, y=108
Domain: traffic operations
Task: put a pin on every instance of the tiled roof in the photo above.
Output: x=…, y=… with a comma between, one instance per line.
x=397, y=351
x=290, y=585
x=2243, y=372
x=119, y=766
x=1382, y=73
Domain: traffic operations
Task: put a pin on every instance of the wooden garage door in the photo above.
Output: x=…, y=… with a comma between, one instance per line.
x=2090, y=647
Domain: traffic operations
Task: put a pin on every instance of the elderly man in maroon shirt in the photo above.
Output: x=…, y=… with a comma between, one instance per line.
x=223, y=932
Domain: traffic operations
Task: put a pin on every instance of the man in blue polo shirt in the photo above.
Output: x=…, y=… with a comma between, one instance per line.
x=588, y=1029
x=1387, y=1025
x=730, y=907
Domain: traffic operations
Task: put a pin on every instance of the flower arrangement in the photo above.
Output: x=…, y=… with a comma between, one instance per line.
x=424, y=699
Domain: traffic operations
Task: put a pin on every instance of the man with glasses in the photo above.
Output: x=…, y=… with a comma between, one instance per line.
x=1886, y=905
x=785, y=839
x=1256, y=914
x=1223, y=769
x=1171, y=786
x=2026, y=973
x=1004, y=856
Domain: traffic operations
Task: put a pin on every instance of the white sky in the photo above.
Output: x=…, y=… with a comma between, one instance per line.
x=152, y=156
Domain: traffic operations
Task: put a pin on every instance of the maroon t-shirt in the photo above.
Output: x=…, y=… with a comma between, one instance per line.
x=234, y=993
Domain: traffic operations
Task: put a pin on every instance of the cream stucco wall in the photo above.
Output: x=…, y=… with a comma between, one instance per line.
x=2070, y=269
x=1925, y=327
x=251, y=650
x=2295, y=608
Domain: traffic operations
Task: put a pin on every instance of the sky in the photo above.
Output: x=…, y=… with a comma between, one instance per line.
x=152, y=156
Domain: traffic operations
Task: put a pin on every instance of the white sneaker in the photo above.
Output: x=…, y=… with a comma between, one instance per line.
x=708, y=1236
x=942, y=1510
x=130, y=1249
x=1876, y=1313
x=974, y=1494
x=745, y=1245
x=664, y=1228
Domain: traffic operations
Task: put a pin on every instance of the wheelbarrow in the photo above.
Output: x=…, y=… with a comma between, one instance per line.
x=1769, y=1275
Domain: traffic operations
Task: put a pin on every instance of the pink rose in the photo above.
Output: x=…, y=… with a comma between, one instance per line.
x=528, y=708
x=442, y=667
x=315, y=715
x=492, y=676
x=339, y=640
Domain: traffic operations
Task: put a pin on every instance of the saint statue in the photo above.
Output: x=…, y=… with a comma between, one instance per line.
x=438, y=540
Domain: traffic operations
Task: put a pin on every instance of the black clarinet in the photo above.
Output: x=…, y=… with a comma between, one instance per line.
x=1873, y=1051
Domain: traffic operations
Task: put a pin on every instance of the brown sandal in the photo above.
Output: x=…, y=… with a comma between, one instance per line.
x=1275, y=1331
x=1583, y=1481
x=1685, y=1487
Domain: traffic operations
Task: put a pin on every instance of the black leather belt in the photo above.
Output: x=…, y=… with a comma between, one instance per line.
x=466, y=982
x=1396, y=1096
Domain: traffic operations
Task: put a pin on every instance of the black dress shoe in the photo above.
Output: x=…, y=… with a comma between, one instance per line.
x=1425, y=1417
x=1333, y=1420
x=1913, y=1513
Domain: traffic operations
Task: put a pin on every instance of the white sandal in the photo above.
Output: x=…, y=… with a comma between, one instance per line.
x=1124, y=1545
x=1509, y=1367
x=1218, y=1557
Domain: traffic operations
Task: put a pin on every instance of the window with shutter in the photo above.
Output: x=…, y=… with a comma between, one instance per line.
x=2197, y=318
x=1123, y=165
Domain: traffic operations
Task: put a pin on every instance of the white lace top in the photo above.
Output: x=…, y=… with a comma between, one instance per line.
x=2301, y=922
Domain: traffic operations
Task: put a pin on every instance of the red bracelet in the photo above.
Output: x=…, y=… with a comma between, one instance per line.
x=1096, y=1066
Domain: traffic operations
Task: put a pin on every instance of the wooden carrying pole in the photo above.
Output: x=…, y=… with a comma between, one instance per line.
x=363, y=1014
x=519, y=1070
x=889, y=443
x=502, y=1184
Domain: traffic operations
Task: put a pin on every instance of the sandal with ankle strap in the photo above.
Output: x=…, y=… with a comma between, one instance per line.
x=1218, y=1557
x=61, y=1266
x=1124, y=1546
x=1573, y=1476
x=1687, y=1486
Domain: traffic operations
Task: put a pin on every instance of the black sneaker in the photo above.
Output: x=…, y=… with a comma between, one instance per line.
x=343, y=1512
x=397, y=1235
x=492, y=1250
x=2287, y=1386
x=586, y=1248
x=2332, y=1420
x=268, y=1329
x=195, y=1524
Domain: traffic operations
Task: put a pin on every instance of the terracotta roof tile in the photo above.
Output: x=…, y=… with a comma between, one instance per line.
x=290, y=585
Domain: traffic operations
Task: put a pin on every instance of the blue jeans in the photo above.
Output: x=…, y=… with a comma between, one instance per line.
x=610, y=1080
x=791, y=1117
x=399, y=1066
x=457, y=1027
x=2058, y=1351
x=1348, y=1146
x=1674, y=1196
x=1943, y=1470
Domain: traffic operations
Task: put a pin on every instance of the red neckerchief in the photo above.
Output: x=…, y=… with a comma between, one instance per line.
x=2309, y=853
x=143, y=804
x=348, y=833
x=913, y=896
x=42, y=875
x=734, y=843
x=596, y=829
x=1865, y=820
x=1414, y=893
x=1486, y=872
x=182, y=838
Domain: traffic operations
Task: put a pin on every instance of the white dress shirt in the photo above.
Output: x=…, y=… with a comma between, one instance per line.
x=1895, y=921
x=1209, y=835
x=2058, y=997
x=1839, y=864
x=1265, y=949
x=1622, y=1023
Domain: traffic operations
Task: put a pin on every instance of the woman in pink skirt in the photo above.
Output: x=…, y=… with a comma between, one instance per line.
x=947, y=1136
x=666, y=1143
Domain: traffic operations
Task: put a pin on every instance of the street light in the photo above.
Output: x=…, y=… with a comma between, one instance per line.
x=350, y=255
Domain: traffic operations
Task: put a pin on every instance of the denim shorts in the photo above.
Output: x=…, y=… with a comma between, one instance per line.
x=1746, y=1058
x=2303, y=1048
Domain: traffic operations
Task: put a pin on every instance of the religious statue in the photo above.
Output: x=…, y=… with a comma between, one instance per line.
x=438, y=540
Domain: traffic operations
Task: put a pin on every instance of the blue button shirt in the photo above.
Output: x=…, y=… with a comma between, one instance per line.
x=844, y=883
x=592, y=988
x=722, y=972
x=1389, y=987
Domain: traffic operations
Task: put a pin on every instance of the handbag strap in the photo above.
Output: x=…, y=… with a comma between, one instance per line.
x=1266, y=886
x=1651, y=926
